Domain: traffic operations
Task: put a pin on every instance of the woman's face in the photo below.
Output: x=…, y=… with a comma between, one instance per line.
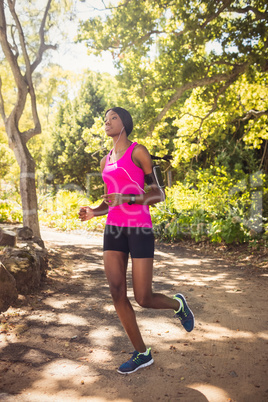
x=113, y=124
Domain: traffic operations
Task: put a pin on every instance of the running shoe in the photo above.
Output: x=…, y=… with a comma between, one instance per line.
x=137, y=361
x=185, y=315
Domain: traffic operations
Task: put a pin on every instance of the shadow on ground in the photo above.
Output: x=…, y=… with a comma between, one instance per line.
x=65, y=342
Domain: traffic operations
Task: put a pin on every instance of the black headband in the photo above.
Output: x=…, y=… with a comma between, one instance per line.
x=125, y=116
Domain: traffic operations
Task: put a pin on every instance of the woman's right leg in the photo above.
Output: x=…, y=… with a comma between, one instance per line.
x=115, y=264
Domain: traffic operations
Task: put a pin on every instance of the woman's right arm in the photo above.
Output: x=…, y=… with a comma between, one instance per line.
x=86, y=213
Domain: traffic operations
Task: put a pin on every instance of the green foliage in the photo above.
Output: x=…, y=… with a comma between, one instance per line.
x=9, y=171
x=210, y=205
x=6, y=157
x=10, y=211
x=194, y=76
x=234, y=135
x=213, y=205
x=60, y=211
x=73, y=153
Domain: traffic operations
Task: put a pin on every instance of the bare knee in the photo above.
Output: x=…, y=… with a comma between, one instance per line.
x=144, y=300
x=118, y=293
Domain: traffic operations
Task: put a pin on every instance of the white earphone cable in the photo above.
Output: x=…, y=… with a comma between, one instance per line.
x=117, y=140
x=119, y=167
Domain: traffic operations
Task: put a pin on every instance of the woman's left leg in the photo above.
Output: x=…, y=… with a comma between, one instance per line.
x=142, y=274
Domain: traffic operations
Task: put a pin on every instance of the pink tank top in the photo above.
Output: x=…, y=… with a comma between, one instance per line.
x=125, y=177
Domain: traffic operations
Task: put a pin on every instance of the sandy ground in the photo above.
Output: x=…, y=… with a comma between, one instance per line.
x=65, y=342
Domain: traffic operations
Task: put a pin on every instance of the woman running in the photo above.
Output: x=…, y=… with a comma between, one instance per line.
x=125, y=170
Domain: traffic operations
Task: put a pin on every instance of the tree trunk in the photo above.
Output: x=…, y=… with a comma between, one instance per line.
x=28, y=193
x=27, y=178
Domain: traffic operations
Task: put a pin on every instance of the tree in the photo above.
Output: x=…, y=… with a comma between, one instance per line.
x=229, y=136
x=24, y=51
x=166, y=51
x=72, y=153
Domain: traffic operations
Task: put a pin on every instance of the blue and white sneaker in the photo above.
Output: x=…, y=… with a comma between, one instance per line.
x=184, y=314
x=137, y=361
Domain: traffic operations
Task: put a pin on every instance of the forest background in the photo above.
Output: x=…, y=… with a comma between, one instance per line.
x=193, y=74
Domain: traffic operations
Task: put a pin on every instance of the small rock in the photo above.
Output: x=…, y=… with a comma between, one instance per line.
x=25, y=268
x=7, y=238
x=233, y=374
x=25, y=233
x=8, y=290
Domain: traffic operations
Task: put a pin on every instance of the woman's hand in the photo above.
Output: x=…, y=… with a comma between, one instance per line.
x=114, y=199
x=85, y=213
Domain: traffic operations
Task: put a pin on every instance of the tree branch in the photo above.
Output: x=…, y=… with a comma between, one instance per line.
x=12, y=61
x=27, y=135
x=258, y=14
x=221, y=92
x=11, y=5
x=110, y=8
x=16, y=50
x=138, y=39
x=28, y=75
x=43, y=47
x=237, y=70
x=263, y=155
x=11, y=58
x=214, y=105
x=252, y=114
x=147, y=35
x=2, y=105
x=226, y=3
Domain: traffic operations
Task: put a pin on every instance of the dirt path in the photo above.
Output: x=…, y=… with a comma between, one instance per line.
x=65, y=342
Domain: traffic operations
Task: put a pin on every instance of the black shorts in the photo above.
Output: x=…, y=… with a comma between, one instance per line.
x=139, y=242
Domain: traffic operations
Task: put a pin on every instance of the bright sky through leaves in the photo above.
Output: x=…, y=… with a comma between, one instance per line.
x=73, y=56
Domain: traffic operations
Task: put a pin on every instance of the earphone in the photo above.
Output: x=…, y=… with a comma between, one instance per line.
x=118, y=138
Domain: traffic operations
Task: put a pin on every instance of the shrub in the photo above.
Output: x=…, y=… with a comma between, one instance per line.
x=10, y=211
x=61, y=211
x=212, y=205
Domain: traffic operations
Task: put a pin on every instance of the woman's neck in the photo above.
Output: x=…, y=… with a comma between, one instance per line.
x=119, y=148
x=120, y=144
